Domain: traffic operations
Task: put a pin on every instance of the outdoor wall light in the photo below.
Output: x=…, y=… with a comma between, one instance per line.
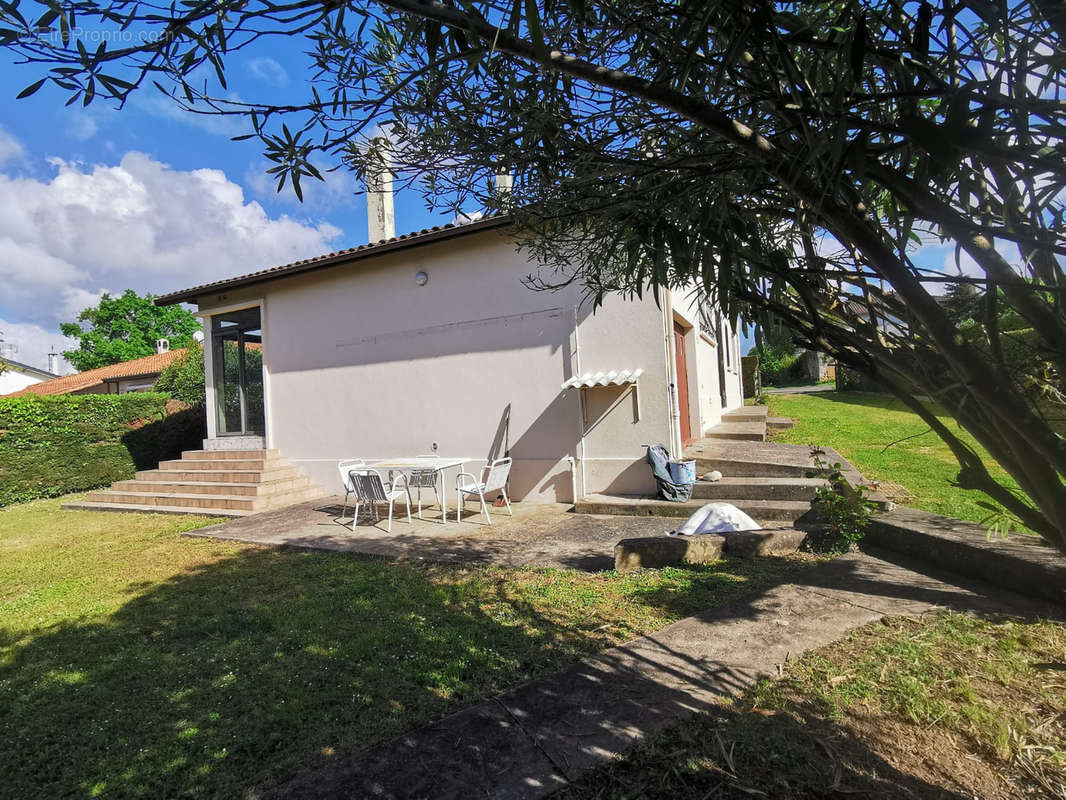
x=421, y=278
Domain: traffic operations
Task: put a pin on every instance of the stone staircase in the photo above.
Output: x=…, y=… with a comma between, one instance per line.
x=747, y=424
x=215, y=483
x=767, y=481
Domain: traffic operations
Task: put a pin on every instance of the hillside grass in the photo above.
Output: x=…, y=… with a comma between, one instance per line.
x=888, y=442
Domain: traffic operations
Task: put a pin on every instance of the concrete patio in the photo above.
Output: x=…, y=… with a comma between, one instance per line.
x=542, y=535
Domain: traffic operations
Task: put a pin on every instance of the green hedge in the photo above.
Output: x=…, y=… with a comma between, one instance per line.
x=68, y=443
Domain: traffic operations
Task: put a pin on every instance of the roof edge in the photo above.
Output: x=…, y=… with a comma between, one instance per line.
x=393, y=245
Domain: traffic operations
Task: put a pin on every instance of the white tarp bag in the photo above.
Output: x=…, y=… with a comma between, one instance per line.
x=718, y=518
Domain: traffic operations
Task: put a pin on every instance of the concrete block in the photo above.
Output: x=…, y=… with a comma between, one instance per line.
x=748, y=544
x=667, y=551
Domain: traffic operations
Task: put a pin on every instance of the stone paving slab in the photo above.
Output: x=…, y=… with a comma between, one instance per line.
x=539, y=535
x=556, y=728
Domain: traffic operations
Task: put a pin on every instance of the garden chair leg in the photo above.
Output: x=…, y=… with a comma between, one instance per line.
x=355, y=519
x=484, y=506
x=388, y=528
x=507, y=501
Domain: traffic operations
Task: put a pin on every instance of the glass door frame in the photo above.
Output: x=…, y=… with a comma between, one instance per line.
x=207, y=317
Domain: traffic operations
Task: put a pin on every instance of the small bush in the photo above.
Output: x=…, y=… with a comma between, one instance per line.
x=777, y=370
x=183, y=378
x=843, y=510
x=54, y=445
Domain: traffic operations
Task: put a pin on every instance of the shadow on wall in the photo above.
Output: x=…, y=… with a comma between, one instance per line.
x=549, y=327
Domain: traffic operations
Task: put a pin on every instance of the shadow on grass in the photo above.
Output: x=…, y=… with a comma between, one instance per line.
x=268, y=664
x=250, y=668
x=743, y=752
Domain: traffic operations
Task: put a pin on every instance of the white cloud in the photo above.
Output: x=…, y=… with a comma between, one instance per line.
x=10, y=147
x=137, y=224
x=34, y=343
x=268, y=70
x=81, y=125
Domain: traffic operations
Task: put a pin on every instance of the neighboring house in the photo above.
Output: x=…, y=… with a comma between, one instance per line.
x=431, y=342
x=17, y=376
x=136, y=375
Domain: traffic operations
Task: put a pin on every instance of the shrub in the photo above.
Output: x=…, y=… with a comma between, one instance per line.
x=842, y=509
x=183, y=378
x=54, y=445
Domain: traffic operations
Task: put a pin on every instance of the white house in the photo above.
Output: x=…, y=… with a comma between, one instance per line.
x=17, y=376
x=431, y=342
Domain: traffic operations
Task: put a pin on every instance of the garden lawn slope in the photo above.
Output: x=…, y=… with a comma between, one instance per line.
x=138, y=663
x=887, y=442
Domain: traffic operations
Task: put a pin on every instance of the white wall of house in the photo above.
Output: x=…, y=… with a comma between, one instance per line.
x=11, y=380
x=360, y=361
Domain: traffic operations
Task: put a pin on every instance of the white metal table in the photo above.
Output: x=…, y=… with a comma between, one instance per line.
x=424, y=462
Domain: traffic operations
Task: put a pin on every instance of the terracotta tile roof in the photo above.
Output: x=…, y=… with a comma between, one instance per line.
x=149, y=365
x=415, y=239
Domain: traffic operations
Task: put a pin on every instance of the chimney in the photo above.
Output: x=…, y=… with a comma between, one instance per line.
x=162, y=346
x=53, y=361
x=381, y=219
x=504, y=183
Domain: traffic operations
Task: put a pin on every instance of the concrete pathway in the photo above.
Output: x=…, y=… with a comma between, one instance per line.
x=535, y=739
x=538, y=535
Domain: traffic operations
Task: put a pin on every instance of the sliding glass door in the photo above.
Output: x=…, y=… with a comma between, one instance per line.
x=237, y=353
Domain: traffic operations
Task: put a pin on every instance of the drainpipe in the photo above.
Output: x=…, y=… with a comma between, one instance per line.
x=581, y=412
x=573, y=476
x=674, y=432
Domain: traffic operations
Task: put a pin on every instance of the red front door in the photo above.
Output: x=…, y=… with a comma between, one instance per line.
x=682, y=385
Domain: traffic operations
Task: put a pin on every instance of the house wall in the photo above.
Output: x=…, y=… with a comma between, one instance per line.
x=704, y=351
x=362, y=362
x=11, y=380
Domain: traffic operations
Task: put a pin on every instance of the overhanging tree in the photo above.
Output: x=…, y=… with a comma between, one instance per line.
x=785, y=158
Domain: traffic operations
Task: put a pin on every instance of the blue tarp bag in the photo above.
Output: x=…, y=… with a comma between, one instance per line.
x=659, y=459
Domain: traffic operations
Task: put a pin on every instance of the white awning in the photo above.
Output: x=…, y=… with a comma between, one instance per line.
x=619, y=377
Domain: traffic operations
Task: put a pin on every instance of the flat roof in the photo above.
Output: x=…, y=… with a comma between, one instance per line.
x=407, y=240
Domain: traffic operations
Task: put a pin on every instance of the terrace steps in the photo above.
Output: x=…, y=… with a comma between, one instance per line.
x=217, y=483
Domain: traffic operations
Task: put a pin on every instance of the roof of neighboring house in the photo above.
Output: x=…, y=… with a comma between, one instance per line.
x=18, y=366
x=79, y=381
x=403, y=242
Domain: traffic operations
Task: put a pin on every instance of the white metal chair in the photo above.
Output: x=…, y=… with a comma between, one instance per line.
x=345, y=469
x=493, y=477
x=424, y=478
x=370, y=489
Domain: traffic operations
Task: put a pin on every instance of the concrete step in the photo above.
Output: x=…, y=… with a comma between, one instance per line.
x=741, y=468
x=207, y=503
x=746, y=414
x=274, y=473
x=760, y=510
x=89, y=505
x=232, y=464
x=750, y=431
x=229, y=455
x=201, y=501
x=749, y=488
x=214, y=487
x=779, y=423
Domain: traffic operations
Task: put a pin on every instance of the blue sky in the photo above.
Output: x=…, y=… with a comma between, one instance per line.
x=156, y=199
x=152, y=198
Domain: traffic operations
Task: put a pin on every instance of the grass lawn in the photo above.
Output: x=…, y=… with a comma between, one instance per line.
x=136, y=663
x=946, y=707
x=860, y=425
